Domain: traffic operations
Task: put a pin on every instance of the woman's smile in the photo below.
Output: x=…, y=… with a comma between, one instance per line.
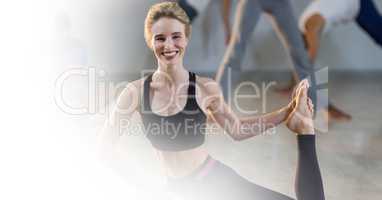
x=170, y=54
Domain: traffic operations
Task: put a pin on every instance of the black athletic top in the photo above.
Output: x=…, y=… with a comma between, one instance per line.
x=181, y=131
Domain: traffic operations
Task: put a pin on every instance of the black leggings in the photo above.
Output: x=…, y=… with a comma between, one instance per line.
x=223, y=183
x=370, y=20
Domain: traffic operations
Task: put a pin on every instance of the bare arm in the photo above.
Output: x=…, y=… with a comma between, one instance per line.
x=240, y=128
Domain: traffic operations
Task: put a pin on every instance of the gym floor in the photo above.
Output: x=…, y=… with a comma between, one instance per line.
x=350, y=153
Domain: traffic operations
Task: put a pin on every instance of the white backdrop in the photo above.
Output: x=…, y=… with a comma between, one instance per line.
x=113, y=33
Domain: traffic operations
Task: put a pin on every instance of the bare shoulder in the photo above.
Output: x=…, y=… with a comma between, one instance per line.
x=208, y=86
x=130, y=94
x=132, y=88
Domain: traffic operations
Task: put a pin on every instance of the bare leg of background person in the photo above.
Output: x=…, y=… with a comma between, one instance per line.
x=225, y=7
x=314, y=26
x=246, y=17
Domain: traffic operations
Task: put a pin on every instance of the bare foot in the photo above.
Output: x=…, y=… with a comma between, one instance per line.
x=300, y=120
x=336, y=114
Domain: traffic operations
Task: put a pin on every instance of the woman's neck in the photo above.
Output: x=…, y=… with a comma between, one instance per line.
x=172, y=74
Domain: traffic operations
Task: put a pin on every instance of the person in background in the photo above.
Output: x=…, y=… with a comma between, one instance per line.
x=323, y=15
x=281, y=12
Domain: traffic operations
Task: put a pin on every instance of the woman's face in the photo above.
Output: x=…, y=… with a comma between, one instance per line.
x=169, y=40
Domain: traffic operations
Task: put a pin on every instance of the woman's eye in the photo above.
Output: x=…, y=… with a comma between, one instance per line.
x=160, y=39
x=176, y=37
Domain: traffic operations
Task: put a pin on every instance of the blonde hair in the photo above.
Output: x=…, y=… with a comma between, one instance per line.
x=165, y=9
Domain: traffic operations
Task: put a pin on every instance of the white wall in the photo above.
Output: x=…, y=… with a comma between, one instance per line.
x=113, y=33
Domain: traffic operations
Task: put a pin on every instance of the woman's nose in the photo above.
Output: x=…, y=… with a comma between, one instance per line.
x=168, y=42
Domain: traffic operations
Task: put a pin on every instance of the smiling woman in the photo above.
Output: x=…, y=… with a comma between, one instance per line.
x=179, y=101
x=169, y=41
x=169, y=36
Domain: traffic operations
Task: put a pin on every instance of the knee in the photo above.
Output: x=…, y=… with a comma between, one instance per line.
x=314, y=23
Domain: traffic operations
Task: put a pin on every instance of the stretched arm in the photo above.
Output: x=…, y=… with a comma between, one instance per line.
x=240, y=128
x=263, y=122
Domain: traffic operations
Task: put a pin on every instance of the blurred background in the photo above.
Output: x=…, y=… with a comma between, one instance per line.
x=66, y=61
x=112, y=34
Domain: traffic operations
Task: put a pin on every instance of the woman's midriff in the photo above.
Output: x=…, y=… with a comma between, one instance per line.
x=182, y=163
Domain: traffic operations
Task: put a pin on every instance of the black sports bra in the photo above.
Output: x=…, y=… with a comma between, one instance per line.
x=181, y=131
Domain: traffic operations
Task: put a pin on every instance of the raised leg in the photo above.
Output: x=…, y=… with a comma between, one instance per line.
x=308, y=183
